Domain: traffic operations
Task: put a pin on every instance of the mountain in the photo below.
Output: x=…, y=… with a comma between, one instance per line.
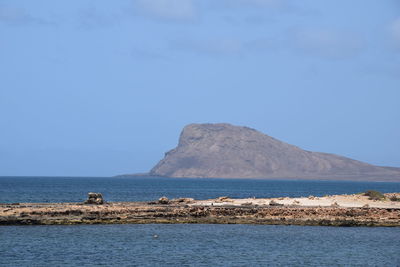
x=226, y=151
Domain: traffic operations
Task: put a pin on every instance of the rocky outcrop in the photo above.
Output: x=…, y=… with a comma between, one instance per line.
x=227, y=151
x=137, y=212
x=94, y=198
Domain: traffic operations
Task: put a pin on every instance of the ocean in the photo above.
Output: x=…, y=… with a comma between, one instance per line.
x=75, y=189
x=186, y=244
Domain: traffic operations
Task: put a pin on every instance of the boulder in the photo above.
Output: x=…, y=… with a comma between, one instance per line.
x=95, y=198
x=163, y=200
x=274, y=203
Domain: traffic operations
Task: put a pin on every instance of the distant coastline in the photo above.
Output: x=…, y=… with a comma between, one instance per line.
x=354, y=178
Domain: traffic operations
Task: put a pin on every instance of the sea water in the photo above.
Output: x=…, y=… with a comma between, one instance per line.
x=187, y=244
x=198, y=245
x=75, y=189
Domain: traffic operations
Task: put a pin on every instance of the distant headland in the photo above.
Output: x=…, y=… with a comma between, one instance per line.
x=227, y=151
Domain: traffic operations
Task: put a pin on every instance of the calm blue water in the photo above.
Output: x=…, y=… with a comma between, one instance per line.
x=189, y=245
x=66, y=189
x=198, y=245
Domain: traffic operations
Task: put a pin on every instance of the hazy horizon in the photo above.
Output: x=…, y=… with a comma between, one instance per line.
x=100, y=88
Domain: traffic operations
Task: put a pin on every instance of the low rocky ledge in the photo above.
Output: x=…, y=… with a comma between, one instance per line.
x=223, y=210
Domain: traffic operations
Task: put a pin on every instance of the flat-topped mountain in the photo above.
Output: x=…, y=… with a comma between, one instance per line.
x=227, y=151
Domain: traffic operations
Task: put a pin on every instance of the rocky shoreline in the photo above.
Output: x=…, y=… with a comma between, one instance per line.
x=282, y=211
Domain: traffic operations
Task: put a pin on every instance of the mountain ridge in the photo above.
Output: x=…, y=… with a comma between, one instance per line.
x=223, y=150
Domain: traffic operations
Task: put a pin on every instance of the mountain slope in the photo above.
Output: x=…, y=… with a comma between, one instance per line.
x=227, y=151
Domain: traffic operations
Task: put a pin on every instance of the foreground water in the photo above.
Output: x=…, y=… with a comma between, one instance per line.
x=75, y=189
x=198, y=245
x=189, y=245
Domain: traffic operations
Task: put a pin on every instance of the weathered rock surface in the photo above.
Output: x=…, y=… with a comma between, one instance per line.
x=227, y=151
x=163, y=200
x=352, y=211
x=94, y=198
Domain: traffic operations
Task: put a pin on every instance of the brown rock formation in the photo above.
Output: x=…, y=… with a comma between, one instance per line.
x=94, y=198
x=227, y=151
x=136, y=212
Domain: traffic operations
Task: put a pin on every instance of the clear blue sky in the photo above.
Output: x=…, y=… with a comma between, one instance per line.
x=99, y=88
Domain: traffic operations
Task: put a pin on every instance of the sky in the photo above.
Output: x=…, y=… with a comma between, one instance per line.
x=100, y=88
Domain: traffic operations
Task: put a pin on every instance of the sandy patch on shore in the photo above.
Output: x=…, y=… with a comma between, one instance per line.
x=346, y=201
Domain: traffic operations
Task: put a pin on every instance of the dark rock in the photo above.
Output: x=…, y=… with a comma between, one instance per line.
x=163, y=200
x=274, y=203
x=227, y=151
x=95, y=198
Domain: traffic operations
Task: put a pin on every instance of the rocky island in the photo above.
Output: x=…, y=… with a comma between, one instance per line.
x=227, y=151
x=339, y=210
